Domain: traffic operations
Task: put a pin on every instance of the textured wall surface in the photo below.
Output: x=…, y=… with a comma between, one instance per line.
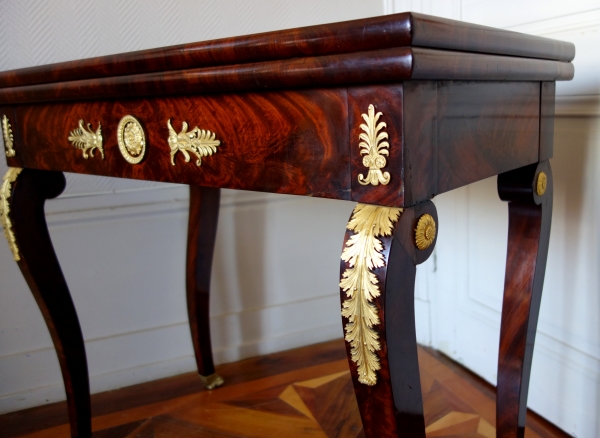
x=122, y=243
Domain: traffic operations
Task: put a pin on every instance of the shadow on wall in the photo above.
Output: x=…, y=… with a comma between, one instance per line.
x=275, y=273
x=242, y=271
x=571, y=304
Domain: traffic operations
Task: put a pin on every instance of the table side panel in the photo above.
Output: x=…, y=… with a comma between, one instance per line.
x=485, y=129
x=292, y=142
x=547, y=104
x=420, y=141
x=388, y=101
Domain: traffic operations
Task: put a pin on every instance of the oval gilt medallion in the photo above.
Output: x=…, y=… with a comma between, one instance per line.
x=131, y=139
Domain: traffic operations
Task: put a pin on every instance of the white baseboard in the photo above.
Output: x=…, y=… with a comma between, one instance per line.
x=564, y=386
x=171, y=354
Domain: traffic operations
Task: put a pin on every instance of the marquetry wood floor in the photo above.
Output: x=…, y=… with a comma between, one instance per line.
x=306, y=392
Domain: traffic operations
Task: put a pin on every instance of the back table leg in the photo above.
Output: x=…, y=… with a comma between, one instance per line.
x=202, y=230
x=23, y=198
x=529, y=193
x=377, y=291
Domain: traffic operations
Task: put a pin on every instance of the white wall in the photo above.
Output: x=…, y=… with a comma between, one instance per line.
x=122, y=243
x=466, y=289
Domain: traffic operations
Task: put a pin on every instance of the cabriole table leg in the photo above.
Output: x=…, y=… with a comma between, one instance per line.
x=202, y=231
x=528, y=191
x=23, y=196
x=377, y=292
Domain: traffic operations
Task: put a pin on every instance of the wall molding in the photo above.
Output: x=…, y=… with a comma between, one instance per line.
x=578, y=106
x=449, y=8
x=566, y=24
x=388, y=7
x=570, y=351
x=151, y=201
x=146, y=365
x=33, y=376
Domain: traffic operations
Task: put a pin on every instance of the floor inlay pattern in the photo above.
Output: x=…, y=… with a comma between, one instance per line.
x=313, y=401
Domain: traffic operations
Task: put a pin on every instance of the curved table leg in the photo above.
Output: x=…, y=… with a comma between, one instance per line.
x=530, y=215
x=202, y=230
x=23, y=198
x=378, y=272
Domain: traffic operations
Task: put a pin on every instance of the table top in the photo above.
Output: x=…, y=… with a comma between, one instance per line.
x=386, y=110
x=379, y=49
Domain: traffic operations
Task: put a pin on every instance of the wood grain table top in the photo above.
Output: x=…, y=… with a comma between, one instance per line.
x=373, y=50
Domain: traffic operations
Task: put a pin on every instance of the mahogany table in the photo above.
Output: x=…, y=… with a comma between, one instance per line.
x=386, y=111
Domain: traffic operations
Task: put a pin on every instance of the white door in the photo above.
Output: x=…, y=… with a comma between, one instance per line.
x=459, y=289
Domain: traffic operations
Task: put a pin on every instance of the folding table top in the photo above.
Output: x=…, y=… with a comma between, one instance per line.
x=383, y=49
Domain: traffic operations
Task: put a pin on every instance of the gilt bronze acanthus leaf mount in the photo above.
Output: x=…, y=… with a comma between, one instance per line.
x=5, y=193
x=363, y=254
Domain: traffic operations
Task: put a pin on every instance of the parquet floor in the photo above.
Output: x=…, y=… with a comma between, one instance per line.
x=305, y=392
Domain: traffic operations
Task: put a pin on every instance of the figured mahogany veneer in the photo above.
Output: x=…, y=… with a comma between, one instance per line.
x=394, y=406
x=458, y=102
x=530, y=217
x=290, y=142
x=356, y=68
x=305, y=142
x=399, y=30
x=202, y=231
x=41, y=270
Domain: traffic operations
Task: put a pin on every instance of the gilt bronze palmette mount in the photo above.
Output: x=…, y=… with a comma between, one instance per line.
x=87, y=140
x=374, y=146
x=8, y=137
x=199, y=142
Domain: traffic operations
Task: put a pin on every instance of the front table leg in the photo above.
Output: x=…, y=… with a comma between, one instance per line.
x=529, y=193
x=202, y=231
x=23, y=198
x=382, y=247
